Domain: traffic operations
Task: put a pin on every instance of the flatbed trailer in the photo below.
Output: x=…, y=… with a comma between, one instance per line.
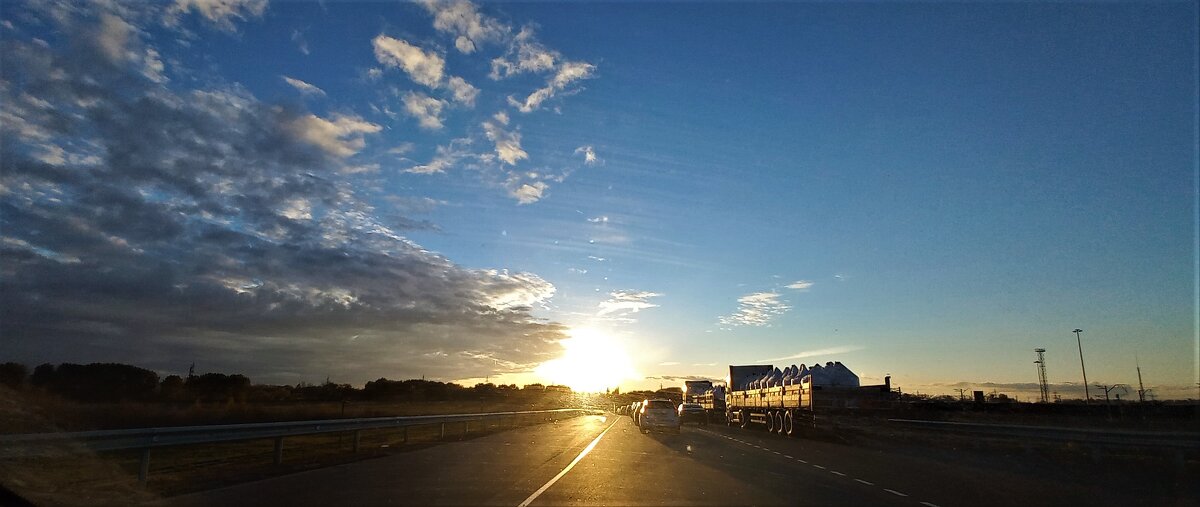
x=787, y=409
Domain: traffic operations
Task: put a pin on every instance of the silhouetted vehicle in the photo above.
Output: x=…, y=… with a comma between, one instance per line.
x=692, y=412
x=635, y=411
x=658, y=415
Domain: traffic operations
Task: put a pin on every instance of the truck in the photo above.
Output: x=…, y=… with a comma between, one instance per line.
x=785, y=401
x=707, y=395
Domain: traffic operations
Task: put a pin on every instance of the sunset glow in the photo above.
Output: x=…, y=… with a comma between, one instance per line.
x=592, y=361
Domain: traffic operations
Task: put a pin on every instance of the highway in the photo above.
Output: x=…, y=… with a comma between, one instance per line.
x=605, y=460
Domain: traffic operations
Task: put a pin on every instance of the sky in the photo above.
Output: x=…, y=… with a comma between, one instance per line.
x=633, y=193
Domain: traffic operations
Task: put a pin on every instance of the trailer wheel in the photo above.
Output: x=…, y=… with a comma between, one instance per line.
x=771, y=426
x=728, y=418
x=777, y=420
x=744, y=419
x=789, y=426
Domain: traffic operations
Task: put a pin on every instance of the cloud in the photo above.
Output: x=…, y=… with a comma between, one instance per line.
x=427, y=110
x=446, y=156
x=301, y=44
x=757, y=309
x=462, y=20
x=341, y=136
x=598, y=220
x=205, y=224
x=624, y=302
x=678, y=378
x=800, y=285
x=526, y=54
x=568, y=73
x=819, y=352
x=303, y=87
x=462, y=91
x=423, y=67
x=528, y=193
x=508, y=144
x=668, y=363
x=219, y=13
x=589, y=155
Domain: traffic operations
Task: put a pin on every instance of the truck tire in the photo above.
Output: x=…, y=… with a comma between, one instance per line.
x=771, y=426
x=744, y=419
x=778, y=422
x=729, y=418
x=789, y=426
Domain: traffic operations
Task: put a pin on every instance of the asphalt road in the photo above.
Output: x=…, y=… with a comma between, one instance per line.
x=605, y=460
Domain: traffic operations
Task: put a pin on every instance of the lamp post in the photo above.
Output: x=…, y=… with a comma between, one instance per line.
x=1086, y=393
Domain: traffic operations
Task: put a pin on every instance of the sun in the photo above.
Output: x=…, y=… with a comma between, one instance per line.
x=592, y=362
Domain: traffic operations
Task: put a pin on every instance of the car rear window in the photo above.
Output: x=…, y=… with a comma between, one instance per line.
x=660, y=404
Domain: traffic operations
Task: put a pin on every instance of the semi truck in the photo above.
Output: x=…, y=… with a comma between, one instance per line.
x=787, y=400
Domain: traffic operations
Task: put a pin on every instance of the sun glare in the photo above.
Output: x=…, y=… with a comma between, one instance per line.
x=592, y=362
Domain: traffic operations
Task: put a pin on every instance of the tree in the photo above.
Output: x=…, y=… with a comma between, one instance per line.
x=13, y=374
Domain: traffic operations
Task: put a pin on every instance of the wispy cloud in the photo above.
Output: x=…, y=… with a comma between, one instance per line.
x=626, y=301
x=818, y=352
x=589, y=155
x=427, y=110
x=800, y=285
x=508, y=143
x=668, y=363
x=462, y=20
x=423, y=67
x=219, y=13
x=757, y=309
x=303, y=87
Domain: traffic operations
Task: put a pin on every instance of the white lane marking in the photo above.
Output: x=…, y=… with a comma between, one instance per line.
x=564, y=471
x=927, y=504
x=802, y=461
x=894, y=492
x=777, y=452
x=819, y=466
x=788, y=457
x=865, y=482
x=835, y=472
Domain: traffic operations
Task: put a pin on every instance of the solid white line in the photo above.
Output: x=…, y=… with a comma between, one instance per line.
x=894, y=492
x=564, y=471
x=927, y=504
x=865, y=482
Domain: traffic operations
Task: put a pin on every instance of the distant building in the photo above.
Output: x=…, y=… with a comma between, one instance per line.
x=558, y=389
x=534, y=387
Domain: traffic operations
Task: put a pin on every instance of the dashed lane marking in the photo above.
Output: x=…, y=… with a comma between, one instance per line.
x=788, y=457
x=835, y=472
x=927, y=504
x=894, y=492
x=865, y=482
x=819, y=466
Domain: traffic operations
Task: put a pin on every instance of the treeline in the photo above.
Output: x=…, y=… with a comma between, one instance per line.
x=113, y=382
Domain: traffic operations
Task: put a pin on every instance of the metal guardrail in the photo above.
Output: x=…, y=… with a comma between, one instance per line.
x=145, y=439
x=1106, y=437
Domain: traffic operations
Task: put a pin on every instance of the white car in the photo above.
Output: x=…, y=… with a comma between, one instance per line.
x=658, y=415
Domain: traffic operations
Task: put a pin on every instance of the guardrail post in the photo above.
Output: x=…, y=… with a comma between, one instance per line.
x=443, y=437
x=404, y=434
x=144, y=467
x=357, y=439
x=278, y=450
x=466, y=428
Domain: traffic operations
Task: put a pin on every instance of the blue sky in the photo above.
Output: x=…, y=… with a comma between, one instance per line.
x=943, y=187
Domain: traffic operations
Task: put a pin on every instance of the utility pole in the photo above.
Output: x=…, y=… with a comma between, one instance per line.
x=1043, y=386
x=1141, y=387
x=1086, y=393
x=962, y=396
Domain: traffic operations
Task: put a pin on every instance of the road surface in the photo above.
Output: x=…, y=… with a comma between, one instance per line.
x=605, y=460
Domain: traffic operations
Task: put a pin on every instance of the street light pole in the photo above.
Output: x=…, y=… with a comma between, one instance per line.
x=1087, y=394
